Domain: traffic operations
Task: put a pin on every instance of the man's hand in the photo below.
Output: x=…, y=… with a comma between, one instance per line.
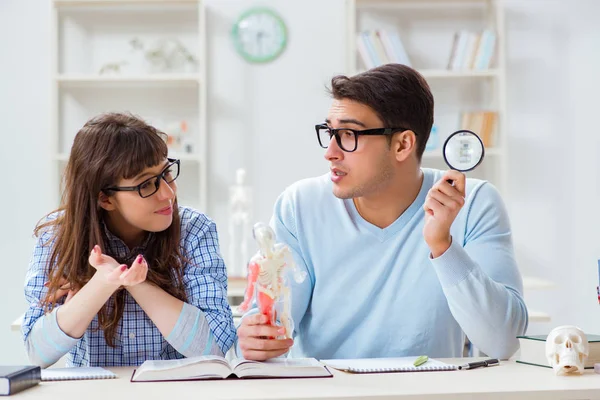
x=442, y=205
x=253, y=336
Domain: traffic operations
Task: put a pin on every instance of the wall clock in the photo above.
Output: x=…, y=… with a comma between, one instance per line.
x=259, y=35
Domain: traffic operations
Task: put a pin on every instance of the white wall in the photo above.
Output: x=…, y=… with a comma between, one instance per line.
x=257, y=111
x=553, y=87
x=24, y=140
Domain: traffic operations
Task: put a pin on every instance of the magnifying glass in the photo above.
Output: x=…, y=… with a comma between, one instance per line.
x=463, y=150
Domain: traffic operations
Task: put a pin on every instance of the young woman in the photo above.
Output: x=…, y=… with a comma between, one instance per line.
x=121, y=273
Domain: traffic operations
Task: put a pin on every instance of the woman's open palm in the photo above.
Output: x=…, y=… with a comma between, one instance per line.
x=117, y=274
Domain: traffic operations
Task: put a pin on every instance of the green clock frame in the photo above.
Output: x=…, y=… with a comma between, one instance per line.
x=239, y=46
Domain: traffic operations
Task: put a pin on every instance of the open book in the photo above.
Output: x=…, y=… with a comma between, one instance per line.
x=215, y=367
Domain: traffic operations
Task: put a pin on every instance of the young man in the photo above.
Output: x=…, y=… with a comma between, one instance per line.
x=400, y=261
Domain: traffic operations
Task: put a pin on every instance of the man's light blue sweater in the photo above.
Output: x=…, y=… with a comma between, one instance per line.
x=372, y=292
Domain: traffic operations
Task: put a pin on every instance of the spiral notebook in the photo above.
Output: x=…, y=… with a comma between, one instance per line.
x=378, y=365
x=69, y=374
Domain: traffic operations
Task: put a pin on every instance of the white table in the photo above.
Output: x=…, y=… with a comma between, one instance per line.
x=507, y=381
x=16, y=325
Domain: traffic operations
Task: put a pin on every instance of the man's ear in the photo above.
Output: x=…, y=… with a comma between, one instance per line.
x=404, y=144
x=106, y=202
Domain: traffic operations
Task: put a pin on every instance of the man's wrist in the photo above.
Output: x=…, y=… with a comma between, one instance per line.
x=440, y=247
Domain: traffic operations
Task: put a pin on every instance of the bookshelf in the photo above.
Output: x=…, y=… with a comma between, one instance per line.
x=531, y=283
x=427, y=31
x=101, y=63
x=89, y=34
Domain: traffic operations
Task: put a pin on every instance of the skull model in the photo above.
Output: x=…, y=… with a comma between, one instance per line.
x=567, y=350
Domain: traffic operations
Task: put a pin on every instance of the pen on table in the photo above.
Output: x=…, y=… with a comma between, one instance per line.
x=477, y=364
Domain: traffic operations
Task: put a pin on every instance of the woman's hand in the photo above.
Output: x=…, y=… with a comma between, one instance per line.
x=136, y=274
x=63, y=290
x=110, y=272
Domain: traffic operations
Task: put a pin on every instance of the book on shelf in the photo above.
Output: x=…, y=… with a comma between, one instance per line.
x=14, y=379
x=482, y=123
x=533, y=350
x=215, y=367
x=382, y=56
x=363, y=52
x=472, y=50
x=486, y=51
x=381, y=47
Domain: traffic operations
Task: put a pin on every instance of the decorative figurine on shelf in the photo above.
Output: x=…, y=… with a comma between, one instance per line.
x=167, y=55
x=112, y=68
x=268, y=279
x=240, y=203
x=176, y=137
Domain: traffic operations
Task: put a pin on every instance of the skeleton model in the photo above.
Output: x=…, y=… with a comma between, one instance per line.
x=239, y=224
x=567, y=350
x=267, y=279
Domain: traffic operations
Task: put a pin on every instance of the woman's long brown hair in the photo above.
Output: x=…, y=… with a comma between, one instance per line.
x=108, y=148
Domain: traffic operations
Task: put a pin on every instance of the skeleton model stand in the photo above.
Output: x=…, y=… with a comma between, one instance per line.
x=267, y=279
x=567, y=350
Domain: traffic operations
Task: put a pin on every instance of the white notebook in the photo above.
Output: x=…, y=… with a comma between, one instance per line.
x=399, y=364
x=69, y=374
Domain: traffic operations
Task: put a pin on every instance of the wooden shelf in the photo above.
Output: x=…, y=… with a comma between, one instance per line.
x=183, y=157
x=538, y=316
x=533, y=283
x=16, y=325
x=153, y=80
x=449, y=74
x=427, y=4
x=236, y=287
x=454, y=74
x=112, y=3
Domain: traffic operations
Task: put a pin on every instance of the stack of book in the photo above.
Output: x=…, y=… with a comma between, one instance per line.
x=472, y=50
x=482, y=123
x=533, y=350
x=381, y=47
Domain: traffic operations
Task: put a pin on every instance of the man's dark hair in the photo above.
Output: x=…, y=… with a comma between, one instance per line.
x=398, y=94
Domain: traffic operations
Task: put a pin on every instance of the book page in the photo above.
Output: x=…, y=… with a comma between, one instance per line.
x=279, y=367
x=183, y=369
x=275, y=362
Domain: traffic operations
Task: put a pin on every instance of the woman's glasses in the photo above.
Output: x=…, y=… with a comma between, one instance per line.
x=151, y=185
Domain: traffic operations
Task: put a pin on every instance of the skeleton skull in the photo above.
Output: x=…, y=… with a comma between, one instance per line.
x=567, y=349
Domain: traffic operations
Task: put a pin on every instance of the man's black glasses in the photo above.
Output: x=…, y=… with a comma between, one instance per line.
x=151, y=185
x=347, y=139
